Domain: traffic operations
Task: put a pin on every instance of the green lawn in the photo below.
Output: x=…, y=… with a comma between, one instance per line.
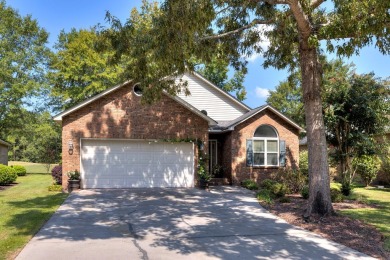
x=24, y=208
x=378, y=216
x=32, y=167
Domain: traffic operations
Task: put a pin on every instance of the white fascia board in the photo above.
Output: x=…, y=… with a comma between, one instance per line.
x=59, y=116
x=276, y=112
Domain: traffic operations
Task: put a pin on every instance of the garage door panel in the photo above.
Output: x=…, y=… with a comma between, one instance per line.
x=123, y=164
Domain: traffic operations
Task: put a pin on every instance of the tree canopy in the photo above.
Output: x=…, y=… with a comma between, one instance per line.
x=171, y=38
x=81, y=69
x=354, y=106
x=217, y=70
x=23, y=62
x=287, y=98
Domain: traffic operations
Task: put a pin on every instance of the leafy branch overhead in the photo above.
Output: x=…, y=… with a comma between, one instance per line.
x=172, y=38
x=166, y=40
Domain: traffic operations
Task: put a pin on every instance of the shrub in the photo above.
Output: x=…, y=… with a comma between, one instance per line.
x=203, y=174
x=56, y=173
x=294, y=179
x=304, y=163
x=284, y=200
x=55, y=187
x=264, y=195
x=305, y=192
x=279, y=190
x=267, y=184
x=346, y=188
x=250, y=184
x=336, y=195
x=20, y=170
x=7, y=175
x=367, y=166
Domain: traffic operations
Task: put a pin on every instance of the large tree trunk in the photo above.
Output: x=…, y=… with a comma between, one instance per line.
x=319, y=184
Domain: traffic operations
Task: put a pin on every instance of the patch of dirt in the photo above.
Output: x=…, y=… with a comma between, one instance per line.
x=341, y=229
x=4, y=187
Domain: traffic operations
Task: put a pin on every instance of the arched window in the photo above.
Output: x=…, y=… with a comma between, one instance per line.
x=265, y=146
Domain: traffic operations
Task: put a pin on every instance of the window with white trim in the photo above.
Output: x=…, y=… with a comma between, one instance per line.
x=265, y=146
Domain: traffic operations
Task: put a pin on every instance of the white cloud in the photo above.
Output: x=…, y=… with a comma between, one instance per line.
x=262, y=92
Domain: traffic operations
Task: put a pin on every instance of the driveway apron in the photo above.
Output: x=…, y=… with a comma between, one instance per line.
x=172, y=223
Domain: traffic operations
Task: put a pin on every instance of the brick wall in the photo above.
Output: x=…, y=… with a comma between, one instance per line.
x=246, y=130
x=121, y=115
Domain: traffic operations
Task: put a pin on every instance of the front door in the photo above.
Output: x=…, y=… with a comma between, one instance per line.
x=213, y=156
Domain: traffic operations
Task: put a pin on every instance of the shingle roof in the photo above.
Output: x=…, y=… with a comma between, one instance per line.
x=5, y=143
x=59, y=116
x=226, y=125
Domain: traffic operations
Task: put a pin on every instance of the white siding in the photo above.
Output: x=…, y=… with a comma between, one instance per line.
x=205, y=97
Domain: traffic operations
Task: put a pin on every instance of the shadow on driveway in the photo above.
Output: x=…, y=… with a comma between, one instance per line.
x=160, y=223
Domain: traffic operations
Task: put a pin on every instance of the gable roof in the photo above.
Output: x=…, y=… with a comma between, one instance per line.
x=229, y=125
x=232, y=98
x=59, y=116
x=5, y=143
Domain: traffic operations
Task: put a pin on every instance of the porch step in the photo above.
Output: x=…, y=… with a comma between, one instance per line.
x=219, y=181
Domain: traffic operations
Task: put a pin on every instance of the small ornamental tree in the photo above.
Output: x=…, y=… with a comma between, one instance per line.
x=355, y=110
x=367, y=166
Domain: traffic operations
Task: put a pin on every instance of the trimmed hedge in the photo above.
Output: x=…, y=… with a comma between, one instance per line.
x=7, y=175
x=20, y=170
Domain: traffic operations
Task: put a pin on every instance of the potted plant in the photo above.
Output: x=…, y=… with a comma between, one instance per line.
x=204, y=177
x=73, y=180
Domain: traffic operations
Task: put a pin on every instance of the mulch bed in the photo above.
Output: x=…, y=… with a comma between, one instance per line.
x=341, y=229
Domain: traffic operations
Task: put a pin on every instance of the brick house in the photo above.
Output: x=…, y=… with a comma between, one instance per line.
x=117, y=142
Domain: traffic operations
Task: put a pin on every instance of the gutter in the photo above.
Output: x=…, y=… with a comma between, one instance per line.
x=230, y=129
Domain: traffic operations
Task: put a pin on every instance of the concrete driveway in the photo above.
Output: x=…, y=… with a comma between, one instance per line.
x=226, y=223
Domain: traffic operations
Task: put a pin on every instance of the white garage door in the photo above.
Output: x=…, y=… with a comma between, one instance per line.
x=128, y=164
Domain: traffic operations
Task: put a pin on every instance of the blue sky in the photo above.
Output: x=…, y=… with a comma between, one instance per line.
x=55, y=15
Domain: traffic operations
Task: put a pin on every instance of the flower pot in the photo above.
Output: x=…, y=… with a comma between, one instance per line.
x=73, y=185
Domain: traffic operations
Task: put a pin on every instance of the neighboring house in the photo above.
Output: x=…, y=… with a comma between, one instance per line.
x=4, y=152
x=117, y=142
